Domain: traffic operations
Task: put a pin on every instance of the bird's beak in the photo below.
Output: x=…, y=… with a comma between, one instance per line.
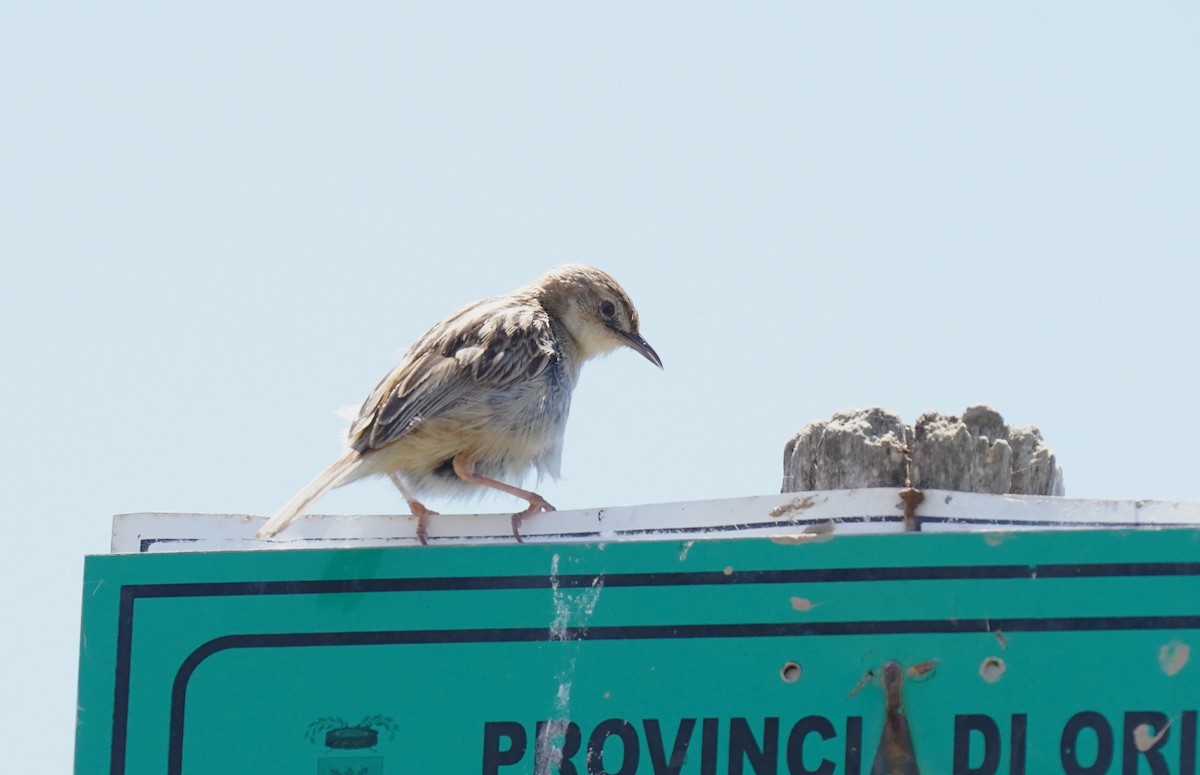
x=642, y=346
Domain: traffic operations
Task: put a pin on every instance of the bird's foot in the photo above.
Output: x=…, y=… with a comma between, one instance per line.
x=537, y=504
x=421, y=513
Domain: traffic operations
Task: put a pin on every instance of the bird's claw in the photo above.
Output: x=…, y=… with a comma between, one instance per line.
x=536, y=505
x=420, y=512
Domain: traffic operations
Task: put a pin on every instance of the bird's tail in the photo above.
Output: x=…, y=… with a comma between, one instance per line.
x=328, y=479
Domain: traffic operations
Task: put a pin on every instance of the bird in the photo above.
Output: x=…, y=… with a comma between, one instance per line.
x=483, y=396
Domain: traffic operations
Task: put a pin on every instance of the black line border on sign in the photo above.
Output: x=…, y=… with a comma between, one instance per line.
x=130, y=594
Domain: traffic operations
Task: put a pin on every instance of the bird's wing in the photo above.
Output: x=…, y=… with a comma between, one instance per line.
x=488, y=345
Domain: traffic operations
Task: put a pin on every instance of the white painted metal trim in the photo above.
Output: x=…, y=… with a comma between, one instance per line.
x=791, y=516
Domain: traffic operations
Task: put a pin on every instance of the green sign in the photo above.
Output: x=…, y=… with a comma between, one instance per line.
x=952, y=653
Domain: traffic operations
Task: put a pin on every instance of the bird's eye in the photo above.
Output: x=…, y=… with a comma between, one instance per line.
x=607, y=308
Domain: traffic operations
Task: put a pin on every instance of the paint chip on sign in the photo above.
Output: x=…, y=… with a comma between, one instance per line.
x=1142, y=738
x=1173, y=656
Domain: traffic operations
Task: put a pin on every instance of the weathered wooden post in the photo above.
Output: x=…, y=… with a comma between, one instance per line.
x=874, y=448
x=976, y=452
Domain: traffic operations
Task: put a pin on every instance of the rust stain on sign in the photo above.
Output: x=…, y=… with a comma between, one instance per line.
x=922, y=670
x=912, y=498
x=895, y=755
x=802, y=604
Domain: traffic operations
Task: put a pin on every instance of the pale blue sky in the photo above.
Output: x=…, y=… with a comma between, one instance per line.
x=221, y=221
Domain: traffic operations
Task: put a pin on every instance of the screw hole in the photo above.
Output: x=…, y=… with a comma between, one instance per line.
x=991, y=669
x=790, y=672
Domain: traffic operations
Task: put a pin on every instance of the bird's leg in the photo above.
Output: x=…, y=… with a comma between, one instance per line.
x=462, y=467
x=416, y=507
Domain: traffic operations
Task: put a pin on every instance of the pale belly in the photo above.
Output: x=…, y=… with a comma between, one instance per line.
x=507, y=434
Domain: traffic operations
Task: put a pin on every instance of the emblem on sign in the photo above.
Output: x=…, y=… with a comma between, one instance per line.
x=336, y=734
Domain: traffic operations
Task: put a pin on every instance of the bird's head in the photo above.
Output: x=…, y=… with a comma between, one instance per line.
x=594, y=309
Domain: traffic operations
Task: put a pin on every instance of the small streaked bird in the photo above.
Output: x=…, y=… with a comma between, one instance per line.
x=483, y=396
